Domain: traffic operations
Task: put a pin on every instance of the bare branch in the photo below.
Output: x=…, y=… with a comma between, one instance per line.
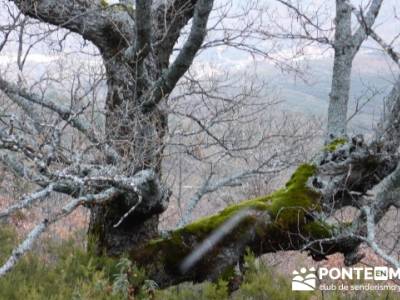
x=170, y=18
x=140, y=199
x=184, y=60
x=209, y=187
x=368, y=21
x=32, y=237
x=65, y=114
x=27, y=201
x=102, y=26
x=132, y=184
x=370, y=239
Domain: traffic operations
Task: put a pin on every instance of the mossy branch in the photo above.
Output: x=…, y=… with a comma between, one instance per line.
x=283, y=220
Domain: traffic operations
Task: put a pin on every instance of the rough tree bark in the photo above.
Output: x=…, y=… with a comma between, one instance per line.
x=346, y=46
x=138, y=137
x=136, y=41
x=342, y=66
x=135, y=124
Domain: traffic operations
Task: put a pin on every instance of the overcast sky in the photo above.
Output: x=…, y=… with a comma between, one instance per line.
x=222, y=59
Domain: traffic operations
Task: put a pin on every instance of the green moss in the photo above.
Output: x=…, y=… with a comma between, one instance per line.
x=206, y=225
x=318, y=230
x=104, y=3
x=171, y=250
x=286, y=205
x=333, y=145
x=290, y=204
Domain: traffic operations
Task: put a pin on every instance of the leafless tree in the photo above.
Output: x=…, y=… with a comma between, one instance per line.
x=116, y=171
x=315, y=27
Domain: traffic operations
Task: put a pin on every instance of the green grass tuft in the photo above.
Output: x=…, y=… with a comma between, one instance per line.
x=64, y=271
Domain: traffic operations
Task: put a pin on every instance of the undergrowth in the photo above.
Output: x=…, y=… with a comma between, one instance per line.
x=66, y=271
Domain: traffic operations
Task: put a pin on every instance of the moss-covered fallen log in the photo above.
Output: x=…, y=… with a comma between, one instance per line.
x=283, y=220
x=294, y=217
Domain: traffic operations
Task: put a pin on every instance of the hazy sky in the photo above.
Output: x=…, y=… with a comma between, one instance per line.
x=222, y=59
x=386, y=24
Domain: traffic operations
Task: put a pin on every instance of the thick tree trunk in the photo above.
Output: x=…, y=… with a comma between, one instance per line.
x=339, y=96
x=136, y=44
x=138, y=137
